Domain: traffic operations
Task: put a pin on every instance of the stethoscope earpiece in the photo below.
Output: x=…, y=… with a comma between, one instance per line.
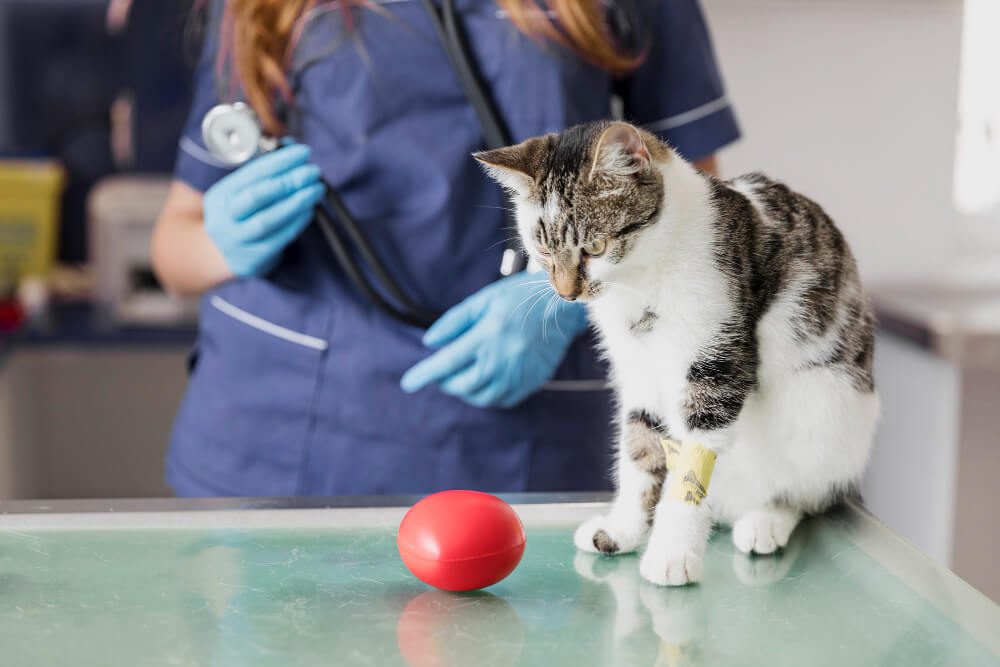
x=233, y=135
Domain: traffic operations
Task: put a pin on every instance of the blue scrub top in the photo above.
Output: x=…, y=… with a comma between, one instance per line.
x=296, y=387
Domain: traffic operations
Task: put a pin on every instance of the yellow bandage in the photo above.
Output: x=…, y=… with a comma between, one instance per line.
x=672, y=450
x=690, y=467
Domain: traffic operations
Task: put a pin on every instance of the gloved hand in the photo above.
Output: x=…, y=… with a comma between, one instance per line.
x=501, y=344
x=257, y=210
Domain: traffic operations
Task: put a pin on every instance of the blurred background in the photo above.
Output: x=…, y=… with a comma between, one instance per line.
x=885, y=111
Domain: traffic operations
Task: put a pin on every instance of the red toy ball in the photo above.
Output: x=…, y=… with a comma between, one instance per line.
x=461, y=540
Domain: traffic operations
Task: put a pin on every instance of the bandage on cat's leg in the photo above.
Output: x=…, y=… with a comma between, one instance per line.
x=676, y=548
x=671, y=452
x=690, y=468
x=766, y=530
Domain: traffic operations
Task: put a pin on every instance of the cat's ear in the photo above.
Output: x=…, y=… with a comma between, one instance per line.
x=620, y=153
x=516, y=167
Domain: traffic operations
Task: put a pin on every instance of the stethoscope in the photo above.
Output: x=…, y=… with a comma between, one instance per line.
x=234, y=135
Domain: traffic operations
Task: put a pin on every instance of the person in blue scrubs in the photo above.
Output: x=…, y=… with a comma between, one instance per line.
x=301, y=385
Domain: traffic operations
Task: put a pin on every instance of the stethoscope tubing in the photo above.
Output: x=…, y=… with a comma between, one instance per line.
x=411, y=313
x=332, y=215
x=496, y=135
x=456, y=45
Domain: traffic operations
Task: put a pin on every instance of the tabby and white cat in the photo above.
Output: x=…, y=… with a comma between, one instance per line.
x=733, y=317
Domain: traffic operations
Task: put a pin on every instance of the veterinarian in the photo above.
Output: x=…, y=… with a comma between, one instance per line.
x=301, y=385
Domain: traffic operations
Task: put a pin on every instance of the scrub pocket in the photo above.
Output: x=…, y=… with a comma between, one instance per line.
x=249, y=407
x=573, y=450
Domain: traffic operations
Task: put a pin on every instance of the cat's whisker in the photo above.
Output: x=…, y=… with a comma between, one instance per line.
x=627, y=287
x=499, y=208
x=545, y=318
x=537, y=291
x=494, y=245
x=537, y=300
x=558, y=328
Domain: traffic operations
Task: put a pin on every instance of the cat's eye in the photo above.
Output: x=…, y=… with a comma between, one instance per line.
x=595, y=248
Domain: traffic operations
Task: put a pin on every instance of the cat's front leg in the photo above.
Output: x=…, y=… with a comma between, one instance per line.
x=676, y=549
x=641, y=468
x=718, y=385
x=683, y=520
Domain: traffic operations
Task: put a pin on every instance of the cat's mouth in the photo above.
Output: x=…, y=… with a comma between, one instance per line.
x=588, y=293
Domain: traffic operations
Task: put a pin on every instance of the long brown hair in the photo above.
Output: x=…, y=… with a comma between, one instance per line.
x=259, y=35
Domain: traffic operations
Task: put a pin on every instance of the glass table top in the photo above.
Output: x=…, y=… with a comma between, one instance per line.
x=296, y=587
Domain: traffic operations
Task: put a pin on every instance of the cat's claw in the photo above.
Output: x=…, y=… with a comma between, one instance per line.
x=599, y=535
x=671, y=568
x=764, y=531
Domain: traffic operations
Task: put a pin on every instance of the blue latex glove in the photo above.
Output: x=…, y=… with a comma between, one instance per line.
x=257, y=210
x=501, y=344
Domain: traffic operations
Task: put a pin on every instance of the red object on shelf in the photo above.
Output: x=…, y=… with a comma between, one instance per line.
x=11, y=315
x=461, y=540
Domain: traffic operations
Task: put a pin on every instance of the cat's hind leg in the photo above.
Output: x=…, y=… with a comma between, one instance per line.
x=764, y=531
x=806, y=441
x=641, y=468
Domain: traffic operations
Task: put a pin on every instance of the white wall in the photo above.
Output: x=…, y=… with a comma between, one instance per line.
x=911, y=479
x=854, y=104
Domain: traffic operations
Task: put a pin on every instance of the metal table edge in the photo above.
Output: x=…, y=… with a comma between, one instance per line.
x=147, y=505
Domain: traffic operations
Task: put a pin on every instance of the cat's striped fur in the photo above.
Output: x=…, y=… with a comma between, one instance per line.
x=732, y=315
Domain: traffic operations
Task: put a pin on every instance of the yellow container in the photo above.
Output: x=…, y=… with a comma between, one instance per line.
x=29, y=216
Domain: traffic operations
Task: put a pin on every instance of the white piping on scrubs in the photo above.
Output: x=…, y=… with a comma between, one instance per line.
x=689, y=116
x=267, y=327
x=576, y=385
x=190, y=147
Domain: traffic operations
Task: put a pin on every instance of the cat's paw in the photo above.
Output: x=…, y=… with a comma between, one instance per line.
x=671, y=567
x=764, y=531
x=600, y=535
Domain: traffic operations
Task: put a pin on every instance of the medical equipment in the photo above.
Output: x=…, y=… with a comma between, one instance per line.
x=233, y=134
x=121, y=213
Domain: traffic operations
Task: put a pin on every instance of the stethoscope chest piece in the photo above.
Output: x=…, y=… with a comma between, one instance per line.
x=232, y=133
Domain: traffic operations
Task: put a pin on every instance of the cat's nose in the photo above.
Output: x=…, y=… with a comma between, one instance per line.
x=566, y=285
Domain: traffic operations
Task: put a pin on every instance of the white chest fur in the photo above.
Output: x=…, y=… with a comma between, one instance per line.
x=650, y=363
x=670, y=283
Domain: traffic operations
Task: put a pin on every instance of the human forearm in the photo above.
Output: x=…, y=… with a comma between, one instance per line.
x=709, y=165
x=241, y=224
x=185, y=259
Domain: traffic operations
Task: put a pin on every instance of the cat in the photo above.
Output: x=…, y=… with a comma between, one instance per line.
x=732, y=316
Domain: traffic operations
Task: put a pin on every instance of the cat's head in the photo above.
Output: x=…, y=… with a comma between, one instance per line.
x=583, y=197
